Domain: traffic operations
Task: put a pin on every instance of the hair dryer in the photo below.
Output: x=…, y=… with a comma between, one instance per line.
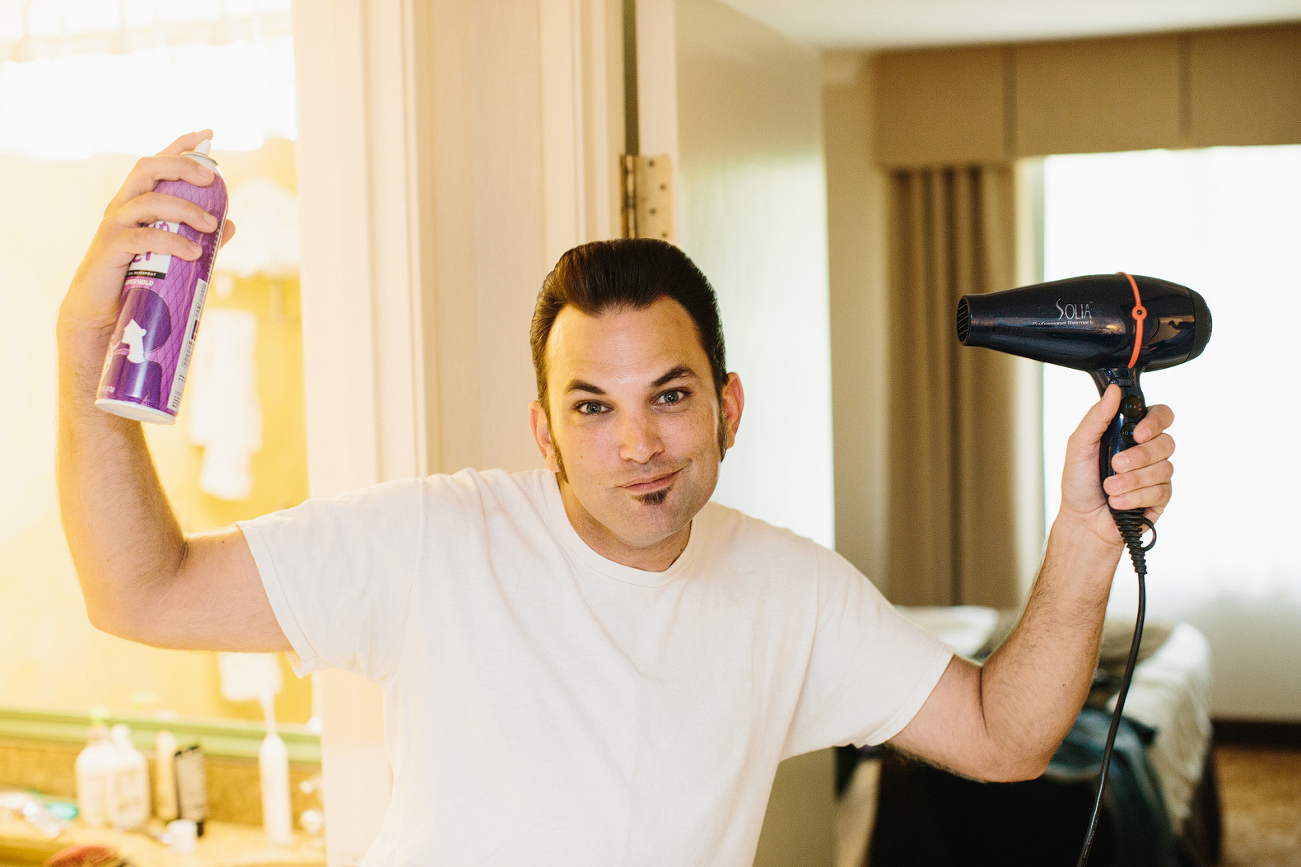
x=1112, y=326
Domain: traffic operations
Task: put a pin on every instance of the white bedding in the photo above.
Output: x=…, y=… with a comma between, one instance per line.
x=965, y=628
x=1171, y=693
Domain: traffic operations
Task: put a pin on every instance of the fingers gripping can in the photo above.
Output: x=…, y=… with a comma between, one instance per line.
x=162, y=299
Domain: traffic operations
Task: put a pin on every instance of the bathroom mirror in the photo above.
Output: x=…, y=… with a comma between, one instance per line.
x=65, y=147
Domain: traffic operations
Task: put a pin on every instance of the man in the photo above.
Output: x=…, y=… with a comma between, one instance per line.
x=589, y=664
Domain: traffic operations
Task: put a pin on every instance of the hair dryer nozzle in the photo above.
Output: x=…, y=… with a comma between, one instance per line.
x=1090, y=323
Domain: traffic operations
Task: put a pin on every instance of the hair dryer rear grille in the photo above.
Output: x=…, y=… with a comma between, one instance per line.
x=964, y=321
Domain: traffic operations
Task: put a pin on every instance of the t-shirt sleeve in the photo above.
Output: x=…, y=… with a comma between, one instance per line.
x=870, y=669
x=338, y=573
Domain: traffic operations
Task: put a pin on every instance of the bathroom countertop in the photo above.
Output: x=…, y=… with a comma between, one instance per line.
x=222, y=845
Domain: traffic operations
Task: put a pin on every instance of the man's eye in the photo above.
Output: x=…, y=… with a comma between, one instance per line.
x=677, y=395
x=589, y=407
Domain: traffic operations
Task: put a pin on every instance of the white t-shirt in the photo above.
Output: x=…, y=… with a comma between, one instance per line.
x=544, y=705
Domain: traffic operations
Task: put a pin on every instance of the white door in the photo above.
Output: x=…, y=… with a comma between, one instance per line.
x=737, y=107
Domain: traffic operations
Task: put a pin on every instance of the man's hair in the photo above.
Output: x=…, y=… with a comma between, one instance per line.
x=626, y=273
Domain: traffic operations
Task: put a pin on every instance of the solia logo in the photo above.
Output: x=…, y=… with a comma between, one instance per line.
x=1074, y=312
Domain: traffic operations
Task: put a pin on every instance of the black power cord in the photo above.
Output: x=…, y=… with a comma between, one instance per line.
x=1132, y=524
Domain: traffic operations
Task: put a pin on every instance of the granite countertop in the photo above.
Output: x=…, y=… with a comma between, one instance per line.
x=223, y=845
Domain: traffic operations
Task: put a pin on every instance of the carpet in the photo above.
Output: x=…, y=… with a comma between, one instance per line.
x=1260, y=788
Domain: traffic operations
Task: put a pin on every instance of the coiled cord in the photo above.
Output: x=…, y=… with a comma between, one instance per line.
x=1131, y=523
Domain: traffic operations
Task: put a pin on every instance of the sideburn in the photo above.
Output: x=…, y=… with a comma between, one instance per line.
x=722, y=430
x=560, y=467
x=560, y=461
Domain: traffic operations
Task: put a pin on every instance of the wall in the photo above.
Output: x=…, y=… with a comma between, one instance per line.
x=859, y=346
x=752, y=197
x=51, y=657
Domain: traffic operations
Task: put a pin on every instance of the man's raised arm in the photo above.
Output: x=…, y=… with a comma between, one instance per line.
x=142, y=578
x=1004, y=720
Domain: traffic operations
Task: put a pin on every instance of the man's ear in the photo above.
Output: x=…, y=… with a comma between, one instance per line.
x=542, y=435
x=733, y=404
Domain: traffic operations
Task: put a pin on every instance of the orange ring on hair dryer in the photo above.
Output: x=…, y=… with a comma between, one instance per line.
x=1139, y=313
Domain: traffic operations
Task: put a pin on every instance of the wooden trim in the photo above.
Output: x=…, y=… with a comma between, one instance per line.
x=955, y=105
x=1097, y=95
x=1244, y=86
x=943, y=106
x=224, y=738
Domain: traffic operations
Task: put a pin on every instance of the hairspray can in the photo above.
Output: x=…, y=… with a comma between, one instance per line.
x=162, y=300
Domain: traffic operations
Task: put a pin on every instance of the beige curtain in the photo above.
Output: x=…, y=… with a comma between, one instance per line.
x=952, y=486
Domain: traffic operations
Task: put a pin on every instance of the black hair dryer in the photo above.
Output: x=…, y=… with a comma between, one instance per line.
x=1112, y=326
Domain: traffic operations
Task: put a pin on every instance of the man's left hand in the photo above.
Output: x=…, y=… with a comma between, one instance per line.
x=1142, y=473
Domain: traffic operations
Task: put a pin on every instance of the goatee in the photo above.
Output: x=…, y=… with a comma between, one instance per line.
x=654, y=498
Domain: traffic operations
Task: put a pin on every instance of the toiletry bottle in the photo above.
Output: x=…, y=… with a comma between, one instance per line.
x=192, y=786
x=129, y=794
x=165, y=805
x=92, y=769
x=273, y=769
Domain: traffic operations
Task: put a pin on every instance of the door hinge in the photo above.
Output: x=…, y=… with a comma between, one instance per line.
x=648, y=197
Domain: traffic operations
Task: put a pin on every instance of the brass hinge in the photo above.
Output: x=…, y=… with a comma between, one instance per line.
x=648, y=197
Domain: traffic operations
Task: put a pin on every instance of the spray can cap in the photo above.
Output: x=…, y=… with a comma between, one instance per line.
x=200, y=154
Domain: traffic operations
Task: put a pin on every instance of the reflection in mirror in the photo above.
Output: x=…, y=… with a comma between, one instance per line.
x=239, y=446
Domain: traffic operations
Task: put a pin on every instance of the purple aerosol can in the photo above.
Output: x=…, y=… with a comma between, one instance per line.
x=162, y=300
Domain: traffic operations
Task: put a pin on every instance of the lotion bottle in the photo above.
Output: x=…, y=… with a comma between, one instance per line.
x=165, y=803
x=92, y=769
x=273, y=768
x=129, y=792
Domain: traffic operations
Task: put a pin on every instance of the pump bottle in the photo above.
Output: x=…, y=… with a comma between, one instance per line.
x=92, y=769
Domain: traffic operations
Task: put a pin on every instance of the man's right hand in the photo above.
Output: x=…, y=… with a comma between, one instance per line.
x=92, y=301
x=142, y=577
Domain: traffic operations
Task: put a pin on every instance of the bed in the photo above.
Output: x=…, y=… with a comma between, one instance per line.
x=1162, y=806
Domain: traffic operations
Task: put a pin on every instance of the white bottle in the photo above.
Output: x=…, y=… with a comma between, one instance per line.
x=92, y=770
x=129, y=792
x=165, y=805
x=273, y=768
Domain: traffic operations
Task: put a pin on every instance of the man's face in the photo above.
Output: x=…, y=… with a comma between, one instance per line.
x=635, y=417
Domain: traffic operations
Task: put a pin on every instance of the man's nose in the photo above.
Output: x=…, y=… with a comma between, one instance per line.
x=639, y=437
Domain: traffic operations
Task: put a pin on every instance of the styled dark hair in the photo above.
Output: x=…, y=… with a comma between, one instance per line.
x=632, y=273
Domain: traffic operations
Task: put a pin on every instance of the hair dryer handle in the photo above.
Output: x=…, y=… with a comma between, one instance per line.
x=1120, y=433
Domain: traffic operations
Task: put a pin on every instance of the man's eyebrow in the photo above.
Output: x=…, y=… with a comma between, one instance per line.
x=580, y=385
x=679, y=372
x=682, y=371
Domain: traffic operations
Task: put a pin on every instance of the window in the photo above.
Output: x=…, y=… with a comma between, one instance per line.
x=1227, y=223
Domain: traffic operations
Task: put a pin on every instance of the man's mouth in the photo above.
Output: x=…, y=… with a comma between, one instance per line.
x=651, y=484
